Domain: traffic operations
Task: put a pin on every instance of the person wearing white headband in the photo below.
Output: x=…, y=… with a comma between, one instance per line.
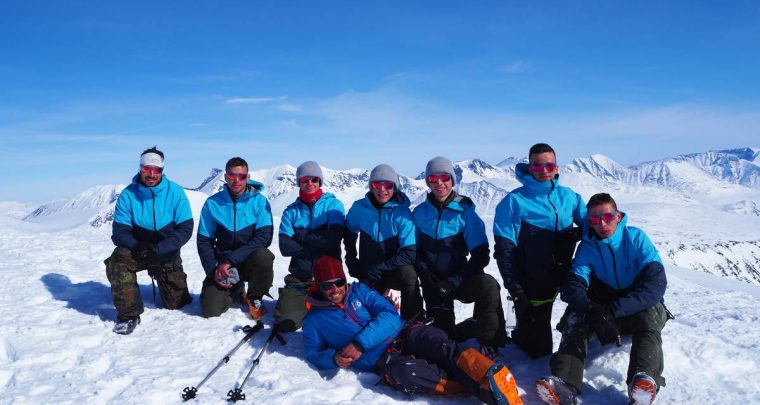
x=151, y=222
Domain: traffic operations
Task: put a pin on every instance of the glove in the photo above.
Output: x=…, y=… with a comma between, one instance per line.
x=142, y=250
x=564, y=246
x=445, y=289
x=227, y=279
x=523, y=308
x=602, y=323
x=429, y=279
x=374, y=275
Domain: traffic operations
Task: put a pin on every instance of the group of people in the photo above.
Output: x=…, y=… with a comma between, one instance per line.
x=434, y=255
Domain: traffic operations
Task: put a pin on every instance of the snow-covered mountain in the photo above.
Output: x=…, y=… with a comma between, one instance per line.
x=704, y=205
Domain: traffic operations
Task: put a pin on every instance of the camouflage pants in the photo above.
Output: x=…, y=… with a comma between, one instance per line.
x=122, y=268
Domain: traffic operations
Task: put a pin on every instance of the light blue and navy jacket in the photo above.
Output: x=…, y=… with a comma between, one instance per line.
x=365, y=318
x=446, y=234
x=160, y=215
x=623, y=272
x=231, y=229
x=528, y=233
x=385, y=233
x=308, y=232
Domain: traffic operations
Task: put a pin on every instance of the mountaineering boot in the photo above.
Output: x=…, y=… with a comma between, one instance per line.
x=503, y=385
x=554, y=391
x=642, y=390
x=127, y=325
x=256, y=308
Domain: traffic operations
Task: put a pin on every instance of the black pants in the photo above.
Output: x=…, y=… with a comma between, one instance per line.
x=257, y=270
x=488, y=315
x=533, y=332
x=404, y=279
x=121, y=270
x=646, y=348
x=429, y=362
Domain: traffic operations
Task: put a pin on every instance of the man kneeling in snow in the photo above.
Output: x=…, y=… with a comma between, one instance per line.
x=616, y=283
x=354, y=326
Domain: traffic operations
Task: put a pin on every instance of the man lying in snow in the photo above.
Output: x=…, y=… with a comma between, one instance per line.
x=354, y=326
x=616, y=284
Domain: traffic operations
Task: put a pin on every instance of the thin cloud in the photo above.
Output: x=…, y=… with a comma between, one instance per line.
x=517, y=67
x=254, y=100
x=289, y=107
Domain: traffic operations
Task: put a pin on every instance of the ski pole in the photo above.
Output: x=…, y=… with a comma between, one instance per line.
x=189, y=392
x=237, y=393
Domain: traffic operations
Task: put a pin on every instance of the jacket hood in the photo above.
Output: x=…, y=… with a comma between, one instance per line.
x=143, y=191
x=522, y=172
x=399, y=199
x=614, y=240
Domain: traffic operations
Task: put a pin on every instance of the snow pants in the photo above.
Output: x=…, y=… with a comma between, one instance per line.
x=646, y=348
x=291, y=304
x=404, y=279
x=489, y=323
x=121, y=270
x=428, y=362
x=533, y=331
x=257, y=270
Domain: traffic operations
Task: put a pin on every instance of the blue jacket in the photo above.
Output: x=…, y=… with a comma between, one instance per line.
x=446, y=234
x=365, y=318
x=229, y=231
x=622, y=272
x=308, y=232
x=160, y=215
x=533, y=235
x=386, y=240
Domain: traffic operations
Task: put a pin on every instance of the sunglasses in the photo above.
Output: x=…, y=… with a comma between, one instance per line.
x=236, y=176
x=539, y=167
x=328, y=285
x=606, y=217
x=433, y=178
x=308, y=179
x=387, y=185
x=151, y=170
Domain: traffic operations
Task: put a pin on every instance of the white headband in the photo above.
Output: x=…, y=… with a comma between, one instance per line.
x=151, y=159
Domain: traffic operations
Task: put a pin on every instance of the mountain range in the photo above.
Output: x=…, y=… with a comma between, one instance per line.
x=702, y=210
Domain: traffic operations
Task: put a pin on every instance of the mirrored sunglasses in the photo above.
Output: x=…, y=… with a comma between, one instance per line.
x=151, y=170
x=433, y=178
x=539, y=167
x=387, y=185
x=308, y=179
x=236, y=176
x=606, y=217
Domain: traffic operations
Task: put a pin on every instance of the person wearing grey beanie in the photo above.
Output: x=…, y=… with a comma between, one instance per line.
x=309, y=168
x=449, y=230
x=383, y=224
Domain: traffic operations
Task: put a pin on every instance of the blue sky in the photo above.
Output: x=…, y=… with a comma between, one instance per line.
x=87, y=85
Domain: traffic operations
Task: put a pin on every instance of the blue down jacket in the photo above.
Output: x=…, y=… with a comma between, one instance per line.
x=446, y=235
x=160, y=215
x=528, y=233
x=230, y=230
x=623, y=272
x=308, y=232
x=365, y=318
x=386, y=237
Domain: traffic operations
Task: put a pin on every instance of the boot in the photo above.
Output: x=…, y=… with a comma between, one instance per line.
x=127, y=325
x=642, y=390
x=554, y=391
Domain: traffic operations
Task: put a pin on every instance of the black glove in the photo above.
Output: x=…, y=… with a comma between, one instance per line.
x=374, y=275
x=428, y=279
x=445, y=289
x=564, y=246
x=142, y=250
x=602, y=323
x=522, y=306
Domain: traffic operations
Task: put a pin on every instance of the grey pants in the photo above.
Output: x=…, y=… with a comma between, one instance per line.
x=569, y=361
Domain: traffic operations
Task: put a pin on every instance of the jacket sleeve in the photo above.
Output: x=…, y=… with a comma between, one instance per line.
x=580, y=215
x=183, y=226
x=206, y=238
x=647, y=291
x=506, y=226
x=477, y=243
x=330, y=236
x=385, y=323
x=262, y=236
x=121, y=234
x=317, y=352
x=574, y=291
x=288, y=245
x=407, y=252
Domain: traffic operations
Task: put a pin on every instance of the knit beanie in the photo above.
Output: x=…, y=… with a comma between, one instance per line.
x=440, y=164
x=383, y=172
x=327, y=268
x=309, y=168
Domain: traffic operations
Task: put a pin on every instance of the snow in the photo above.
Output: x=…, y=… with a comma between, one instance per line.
x=56, y=340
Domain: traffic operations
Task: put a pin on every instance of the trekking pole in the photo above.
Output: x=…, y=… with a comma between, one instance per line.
x=189, y=392
x=237, y=393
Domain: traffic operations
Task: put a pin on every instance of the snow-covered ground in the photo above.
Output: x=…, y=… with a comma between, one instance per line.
x=56, y=342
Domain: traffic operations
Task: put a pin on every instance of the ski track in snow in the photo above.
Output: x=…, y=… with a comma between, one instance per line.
x=56, y=340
